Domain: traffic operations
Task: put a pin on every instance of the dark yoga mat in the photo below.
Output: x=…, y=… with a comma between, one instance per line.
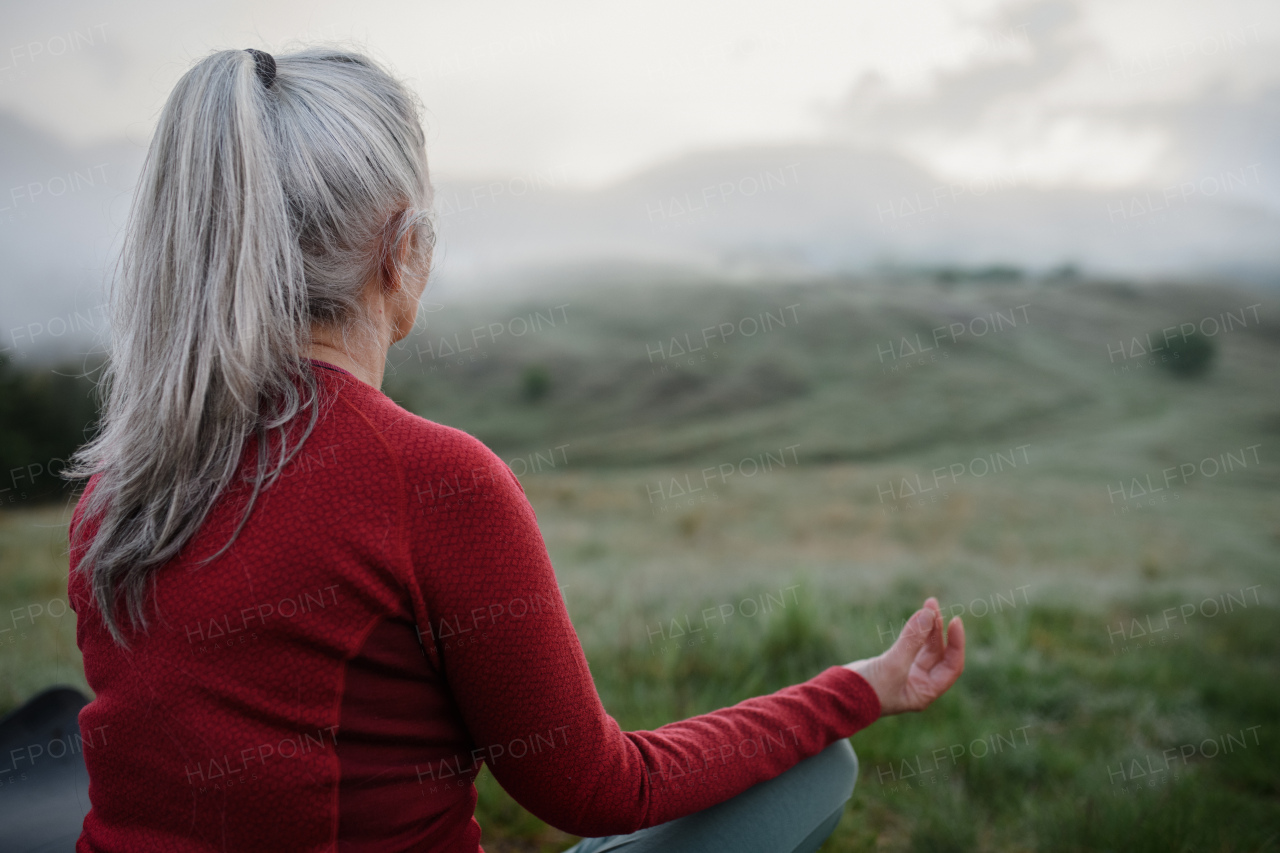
x=44, y=787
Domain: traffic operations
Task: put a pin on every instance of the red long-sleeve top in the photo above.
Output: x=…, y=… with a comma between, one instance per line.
x=386, y=621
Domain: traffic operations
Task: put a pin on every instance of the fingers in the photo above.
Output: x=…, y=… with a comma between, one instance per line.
x=918, y=630
x=955, y=646
x=934, y=648
x=947, y=669
x=930, y=603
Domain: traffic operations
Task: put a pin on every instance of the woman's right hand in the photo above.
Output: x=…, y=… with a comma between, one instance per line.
x=919, y=667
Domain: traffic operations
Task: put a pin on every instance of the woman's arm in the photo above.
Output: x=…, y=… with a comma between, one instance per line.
x=520, y=679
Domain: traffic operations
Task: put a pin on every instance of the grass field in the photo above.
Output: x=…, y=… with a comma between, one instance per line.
x=822, y=468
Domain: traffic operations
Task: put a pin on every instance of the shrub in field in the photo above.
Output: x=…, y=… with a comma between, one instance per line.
x=45, y=414
x=1191, y=355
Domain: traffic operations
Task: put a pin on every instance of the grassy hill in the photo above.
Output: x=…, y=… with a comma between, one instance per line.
x=664, y=478
x=834, y=372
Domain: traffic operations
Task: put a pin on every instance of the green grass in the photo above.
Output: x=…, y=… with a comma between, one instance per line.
x=1062, y=713
x=37, y=630
x=1037, y=558
x=1044, y=673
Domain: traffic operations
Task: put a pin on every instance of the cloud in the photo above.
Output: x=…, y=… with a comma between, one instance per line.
x=1056, y=100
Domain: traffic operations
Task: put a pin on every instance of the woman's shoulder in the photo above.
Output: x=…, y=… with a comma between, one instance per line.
x=423, y=446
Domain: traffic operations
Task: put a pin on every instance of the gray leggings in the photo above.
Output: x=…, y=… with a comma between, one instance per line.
x=791, y=813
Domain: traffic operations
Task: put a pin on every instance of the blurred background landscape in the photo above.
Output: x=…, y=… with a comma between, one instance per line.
x=799, y=315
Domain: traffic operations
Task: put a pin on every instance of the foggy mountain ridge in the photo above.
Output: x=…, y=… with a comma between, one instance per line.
x=830, y=208
x=792, y=210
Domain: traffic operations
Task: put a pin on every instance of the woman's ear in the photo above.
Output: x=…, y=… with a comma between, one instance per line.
x=394, y=260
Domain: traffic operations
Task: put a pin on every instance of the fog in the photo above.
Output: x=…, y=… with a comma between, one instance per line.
x=1133, y=139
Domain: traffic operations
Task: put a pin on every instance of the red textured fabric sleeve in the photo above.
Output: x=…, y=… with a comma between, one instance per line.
x=502, y=636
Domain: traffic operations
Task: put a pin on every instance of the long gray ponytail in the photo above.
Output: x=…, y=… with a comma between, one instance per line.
x=261, y=210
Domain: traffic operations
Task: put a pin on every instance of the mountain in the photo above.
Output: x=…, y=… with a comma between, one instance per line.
x=746, y=213
x=830, y=209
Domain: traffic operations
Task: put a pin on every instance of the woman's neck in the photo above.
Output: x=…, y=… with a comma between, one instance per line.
x=366, y=363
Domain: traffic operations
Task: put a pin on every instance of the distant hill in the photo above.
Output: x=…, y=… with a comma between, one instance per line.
x=918, y=371
x=868, y=369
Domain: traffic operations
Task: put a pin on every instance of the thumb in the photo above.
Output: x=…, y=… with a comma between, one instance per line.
x=914, y=634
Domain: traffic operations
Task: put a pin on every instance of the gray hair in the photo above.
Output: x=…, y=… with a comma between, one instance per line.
x=260, y=211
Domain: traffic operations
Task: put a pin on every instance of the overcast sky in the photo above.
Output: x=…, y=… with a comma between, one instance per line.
x=1098, y=94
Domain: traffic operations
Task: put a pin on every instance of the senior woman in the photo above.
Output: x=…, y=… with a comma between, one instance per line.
x=310, y=616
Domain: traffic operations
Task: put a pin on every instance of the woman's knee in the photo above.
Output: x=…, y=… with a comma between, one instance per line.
x=833, y=774
x=825, y=781
x=841, y=767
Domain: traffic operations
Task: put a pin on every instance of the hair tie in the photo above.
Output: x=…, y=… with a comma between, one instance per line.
x=266, y=66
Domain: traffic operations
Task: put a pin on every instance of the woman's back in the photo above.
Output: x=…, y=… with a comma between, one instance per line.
x=281, y=699
x=237, y=707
